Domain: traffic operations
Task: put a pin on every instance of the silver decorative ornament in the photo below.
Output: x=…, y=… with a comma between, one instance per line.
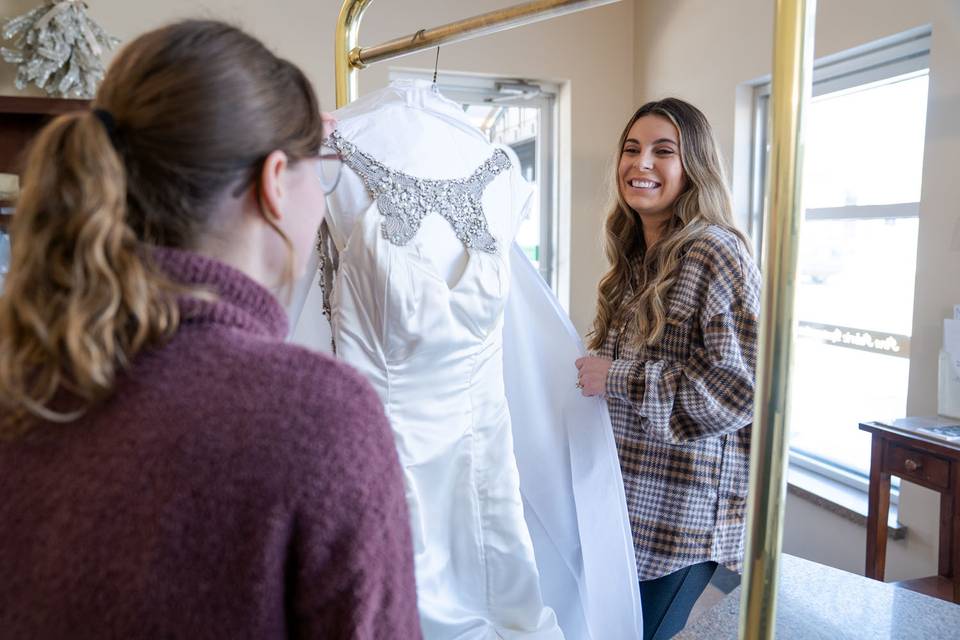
x=58, y=48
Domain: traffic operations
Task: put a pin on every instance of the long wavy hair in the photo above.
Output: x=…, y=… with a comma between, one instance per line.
x=187, y=115
x=632, y=294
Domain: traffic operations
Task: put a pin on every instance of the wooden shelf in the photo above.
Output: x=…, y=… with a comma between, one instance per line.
x=40, y=106
x=21, y=118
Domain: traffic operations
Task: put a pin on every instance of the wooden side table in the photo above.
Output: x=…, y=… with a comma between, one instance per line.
x=899, y=450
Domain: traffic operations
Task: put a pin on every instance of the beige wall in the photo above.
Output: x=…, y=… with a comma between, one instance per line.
x=704, y=51
x=589, y=54
x=301, y=30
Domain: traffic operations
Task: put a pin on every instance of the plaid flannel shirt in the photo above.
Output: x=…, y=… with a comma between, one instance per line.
x=682, y=410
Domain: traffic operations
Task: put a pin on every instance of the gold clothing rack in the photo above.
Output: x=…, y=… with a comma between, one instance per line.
x=791, y=88
x=349, y=57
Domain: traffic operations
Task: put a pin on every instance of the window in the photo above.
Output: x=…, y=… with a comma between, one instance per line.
x=6, y=210
x=4, y=256
x=521, y=115
x=857, y=261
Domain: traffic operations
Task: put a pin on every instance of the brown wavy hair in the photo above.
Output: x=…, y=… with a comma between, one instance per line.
x=632, y=294
x=187, y=115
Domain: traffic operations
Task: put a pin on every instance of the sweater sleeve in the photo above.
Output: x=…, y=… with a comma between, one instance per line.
x=350, y=567
x=710, y=392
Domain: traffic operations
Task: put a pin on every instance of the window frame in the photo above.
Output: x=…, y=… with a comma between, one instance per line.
x=898, y=55
x=876, y=62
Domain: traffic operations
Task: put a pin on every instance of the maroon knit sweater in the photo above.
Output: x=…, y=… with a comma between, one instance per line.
x=233, y=486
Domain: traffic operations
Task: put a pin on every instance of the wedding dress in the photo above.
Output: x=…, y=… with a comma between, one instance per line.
x=516, y=501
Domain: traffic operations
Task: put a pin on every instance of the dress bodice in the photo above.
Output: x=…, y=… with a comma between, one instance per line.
x=423, y=313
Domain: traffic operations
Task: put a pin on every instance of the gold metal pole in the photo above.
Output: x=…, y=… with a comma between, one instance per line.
x=792, y=71
x=345, y=40
x=349, y=57
x=481, y=25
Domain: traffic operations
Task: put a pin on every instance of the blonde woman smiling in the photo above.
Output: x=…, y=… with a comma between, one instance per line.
x=675, y=339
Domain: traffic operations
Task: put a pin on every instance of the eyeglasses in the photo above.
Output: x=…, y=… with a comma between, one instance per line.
x=329, y=168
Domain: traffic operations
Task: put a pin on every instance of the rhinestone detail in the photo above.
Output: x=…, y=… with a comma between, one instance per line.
x=405, y=200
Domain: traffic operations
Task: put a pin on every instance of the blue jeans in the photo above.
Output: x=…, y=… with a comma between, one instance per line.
x=667, y=601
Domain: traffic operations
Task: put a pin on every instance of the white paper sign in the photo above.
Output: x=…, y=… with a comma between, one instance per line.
x=9, y=186
x=951, y=343
x=948, y=396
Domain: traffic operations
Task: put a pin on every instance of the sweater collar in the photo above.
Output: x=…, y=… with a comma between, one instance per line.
x=240, y=302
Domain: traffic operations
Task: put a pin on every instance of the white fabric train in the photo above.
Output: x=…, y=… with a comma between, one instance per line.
x=473, y=358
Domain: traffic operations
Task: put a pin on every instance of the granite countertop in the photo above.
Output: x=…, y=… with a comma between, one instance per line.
x=817, y=602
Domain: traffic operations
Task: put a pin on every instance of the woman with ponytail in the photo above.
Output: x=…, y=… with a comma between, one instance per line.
x=675, y=344
x=169, y=466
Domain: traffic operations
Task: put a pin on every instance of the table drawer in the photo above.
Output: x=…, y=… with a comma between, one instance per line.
x=918, y=466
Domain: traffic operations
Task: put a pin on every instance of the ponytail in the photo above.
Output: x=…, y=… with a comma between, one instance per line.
x=189, y=112
x=81, y=297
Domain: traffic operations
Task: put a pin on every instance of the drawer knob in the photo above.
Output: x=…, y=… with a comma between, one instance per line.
x=911, y=465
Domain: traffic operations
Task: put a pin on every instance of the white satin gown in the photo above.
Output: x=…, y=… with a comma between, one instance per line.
x=423, y=221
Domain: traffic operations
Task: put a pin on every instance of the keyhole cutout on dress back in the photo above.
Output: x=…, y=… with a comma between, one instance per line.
x=445, y=251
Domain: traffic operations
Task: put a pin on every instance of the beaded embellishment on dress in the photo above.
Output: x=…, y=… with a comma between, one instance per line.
x=405, y=200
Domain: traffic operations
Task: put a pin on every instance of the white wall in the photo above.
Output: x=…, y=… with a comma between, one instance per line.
x=703, y=51
x=590, y=54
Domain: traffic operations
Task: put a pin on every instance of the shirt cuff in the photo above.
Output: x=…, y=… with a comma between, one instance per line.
x=623, y=379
